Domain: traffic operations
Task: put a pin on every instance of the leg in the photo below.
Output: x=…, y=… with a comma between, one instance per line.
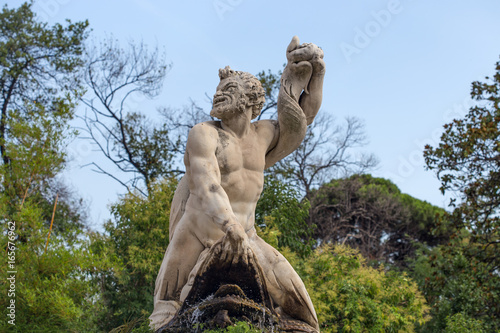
x=284, y=285
x=189, y=284
x=180, y=257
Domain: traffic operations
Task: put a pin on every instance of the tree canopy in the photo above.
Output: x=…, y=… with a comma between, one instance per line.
x=461, y=278
x=43, y=239
x=39, y=86
x=39, y=65
x=372, y=215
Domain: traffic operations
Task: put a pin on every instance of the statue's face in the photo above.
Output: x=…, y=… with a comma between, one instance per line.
x=229, y=98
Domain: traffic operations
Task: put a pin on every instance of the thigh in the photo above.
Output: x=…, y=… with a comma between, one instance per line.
x=284, y=284
x=180, y=257
x=273, y=263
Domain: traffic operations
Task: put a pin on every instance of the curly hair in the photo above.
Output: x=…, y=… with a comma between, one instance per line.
x=253, y=88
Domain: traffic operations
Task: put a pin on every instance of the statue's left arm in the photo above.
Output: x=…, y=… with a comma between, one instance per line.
x=299, y=99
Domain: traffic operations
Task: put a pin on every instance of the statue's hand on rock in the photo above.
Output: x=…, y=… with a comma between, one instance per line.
x=317, y=61
x=235, y=245
x=296, y=52
x=304, y=61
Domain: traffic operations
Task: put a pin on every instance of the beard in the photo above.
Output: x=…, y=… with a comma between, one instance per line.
x=222, y=111
x=227, y=110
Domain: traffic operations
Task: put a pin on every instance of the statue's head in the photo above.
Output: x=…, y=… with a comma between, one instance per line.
x=237, y=91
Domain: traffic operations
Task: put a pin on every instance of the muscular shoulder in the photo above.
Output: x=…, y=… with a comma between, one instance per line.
x=204, y=131
x=205, y=127
x=202, y=138
x=268, y=130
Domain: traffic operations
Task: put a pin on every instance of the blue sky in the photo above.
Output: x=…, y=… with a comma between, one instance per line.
x=405, y=67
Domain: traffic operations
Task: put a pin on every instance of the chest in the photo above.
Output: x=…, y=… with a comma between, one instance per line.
x=234, y=154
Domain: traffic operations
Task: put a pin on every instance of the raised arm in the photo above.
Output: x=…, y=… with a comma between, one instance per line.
x=206, y=192
x=299, y=99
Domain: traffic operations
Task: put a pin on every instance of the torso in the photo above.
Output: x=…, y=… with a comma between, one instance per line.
x=241, y=162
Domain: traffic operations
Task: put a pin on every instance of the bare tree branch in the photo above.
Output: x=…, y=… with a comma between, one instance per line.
x=325, y=152
x=126, y=137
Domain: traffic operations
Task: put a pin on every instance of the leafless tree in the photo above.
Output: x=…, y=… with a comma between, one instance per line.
x=114, y=76
x=327, y=151
x=271, y=84
x=180, y=121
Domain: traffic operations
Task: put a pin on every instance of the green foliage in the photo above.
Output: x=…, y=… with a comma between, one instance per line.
x=39, y=85
x=38, y=79
x=136, y=241
x=462, y=276
x=137, y=325
x=52, y=265
x=280, y=208
x=350, y=296
x=455, y=282
x=147, y=146
x=372, y=215
x=71, y=213
x=460, y=323
x=239, y=327
x=53, y=287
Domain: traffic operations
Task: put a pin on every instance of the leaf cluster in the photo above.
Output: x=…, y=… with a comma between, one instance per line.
x=53, y=283
x=350, y=296
x=460, y=278
x=135, y=240
x=279, y=209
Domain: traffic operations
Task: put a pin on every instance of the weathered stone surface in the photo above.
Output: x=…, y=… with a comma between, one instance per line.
x=224, y=293
x=214, y=248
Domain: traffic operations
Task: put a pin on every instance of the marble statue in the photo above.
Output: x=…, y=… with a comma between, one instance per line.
x=213, y=210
